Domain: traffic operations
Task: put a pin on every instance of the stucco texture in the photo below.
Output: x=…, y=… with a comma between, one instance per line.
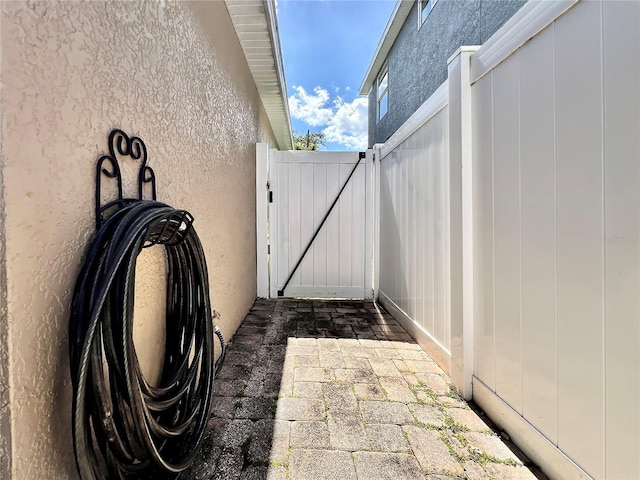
x=172, y=73
x=418, y=58
x=5, y=411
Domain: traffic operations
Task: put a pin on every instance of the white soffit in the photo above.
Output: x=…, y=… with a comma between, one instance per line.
x=398, y=16
x=256, y=26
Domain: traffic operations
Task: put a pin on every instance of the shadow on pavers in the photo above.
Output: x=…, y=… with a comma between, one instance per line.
x=245, y=440
x=243, y=430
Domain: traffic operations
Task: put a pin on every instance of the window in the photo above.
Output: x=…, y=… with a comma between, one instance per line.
x=383, y=92
x=424, y=9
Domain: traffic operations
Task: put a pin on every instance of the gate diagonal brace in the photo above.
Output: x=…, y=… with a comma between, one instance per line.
x=361, y=155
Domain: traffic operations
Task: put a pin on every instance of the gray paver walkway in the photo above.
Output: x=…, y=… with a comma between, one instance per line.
x=338, y=390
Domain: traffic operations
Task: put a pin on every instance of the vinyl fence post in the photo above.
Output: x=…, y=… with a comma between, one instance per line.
x=461, y=224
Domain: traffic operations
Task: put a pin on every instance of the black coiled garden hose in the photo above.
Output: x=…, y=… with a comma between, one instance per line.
x=123, y=427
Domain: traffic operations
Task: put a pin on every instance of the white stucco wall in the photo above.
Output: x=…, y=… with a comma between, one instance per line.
x=172, y=73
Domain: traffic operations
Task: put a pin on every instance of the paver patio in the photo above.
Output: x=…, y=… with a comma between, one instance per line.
x=338, y=390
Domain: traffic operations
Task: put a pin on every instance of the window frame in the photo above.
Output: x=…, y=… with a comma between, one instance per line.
x=384, y=72
x=421, y=8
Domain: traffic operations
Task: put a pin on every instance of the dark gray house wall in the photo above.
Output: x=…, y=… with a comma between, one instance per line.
x=417, y=60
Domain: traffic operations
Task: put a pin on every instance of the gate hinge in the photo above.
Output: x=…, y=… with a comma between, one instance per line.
x=270, y=196
x=268, y=249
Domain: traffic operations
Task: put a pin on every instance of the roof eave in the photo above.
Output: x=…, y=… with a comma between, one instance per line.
x=261, y=47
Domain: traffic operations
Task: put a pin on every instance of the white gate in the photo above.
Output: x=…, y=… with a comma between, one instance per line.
x=320, y=220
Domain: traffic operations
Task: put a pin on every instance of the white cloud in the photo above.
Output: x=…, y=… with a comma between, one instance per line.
x=345, y=122
x=310, y=108
x=348, y=125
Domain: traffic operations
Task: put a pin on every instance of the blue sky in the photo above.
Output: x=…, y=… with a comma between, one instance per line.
x=326, y=48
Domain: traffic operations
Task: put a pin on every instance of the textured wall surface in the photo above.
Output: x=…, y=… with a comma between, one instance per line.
x=5, y=412
x=418, y=58
x=170, y=72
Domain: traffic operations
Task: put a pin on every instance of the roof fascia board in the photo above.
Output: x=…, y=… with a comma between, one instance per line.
x=250, y=19
x=391, y=31
x=274, y=32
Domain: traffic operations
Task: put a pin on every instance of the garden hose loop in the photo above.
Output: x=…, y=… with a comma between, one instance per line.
x=124, y=427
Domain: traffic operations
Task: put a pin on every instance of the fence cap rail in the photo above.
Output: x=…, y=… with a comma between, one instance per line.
x=436, y=102
x=532, y=18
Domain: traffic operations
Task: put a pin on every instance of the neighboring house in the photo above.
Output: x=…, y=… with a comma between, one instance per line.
x=410, y=62
x=201, y=83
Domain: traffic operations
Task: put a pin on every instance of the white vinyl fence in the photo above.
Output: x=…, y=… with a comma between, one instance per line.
x=557, y=158
x=338, y=260
x=539, y=267
x=414, y=242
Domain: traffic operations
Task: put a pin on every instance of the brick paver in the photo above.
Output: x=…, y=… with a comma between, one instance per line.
x=338, y=390
x=346, y=431
x=309, y=435
x=428, y=415
x=387, y=438
x=432, y=453
x=384, y=466
x=326, y=464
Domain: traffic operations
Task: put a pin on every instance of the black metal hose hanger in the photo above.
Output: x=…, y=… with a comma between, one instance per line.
x=124, y=427
x=126, y=146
